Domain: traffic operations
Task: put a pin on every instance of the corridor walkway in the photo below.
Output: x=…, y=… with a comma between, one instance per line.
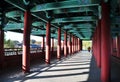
x=79, y=67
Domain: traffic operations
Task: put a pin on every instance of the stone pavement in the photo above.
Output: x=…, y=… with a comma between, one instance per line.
x=79, y=67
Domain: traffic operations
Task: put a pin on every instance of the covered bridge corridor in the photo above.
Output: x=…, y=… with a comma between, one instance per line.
x=69, y=22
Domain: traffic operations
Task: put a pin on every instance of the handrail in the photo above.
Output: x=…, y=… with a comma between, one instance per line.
x=19, y=51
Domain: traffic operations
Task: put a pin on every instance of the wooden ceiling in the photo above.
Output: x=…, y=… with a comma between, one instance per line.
x=77, y=17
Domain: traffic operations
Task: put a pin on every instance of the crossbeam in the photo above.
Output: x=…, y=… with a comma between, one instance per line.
x=74, y=10
x=64, y=4
x=15, y=26
x=74, y=19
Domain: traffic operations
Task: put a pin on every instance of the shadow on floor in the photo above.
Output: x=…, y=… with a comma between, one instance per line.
x=115, y=70
x=63, y=67
x=94, y=74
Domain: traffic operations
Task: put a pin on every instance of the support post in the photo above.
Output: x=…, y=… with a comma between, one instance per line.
x=26, y=42
x=52, y=46
x=114, y=46
x=1, y=47
x=81, y=45
x=47, y=55
x=75, y=44
x=59, y=44
x=65, y=44
x=72, y=45
x=95, y=45
x=78, y=44
x=2, y=39
x=99, y=44
x=69, y=42
x=118, y=46
x=105, y=43
x=43, y=43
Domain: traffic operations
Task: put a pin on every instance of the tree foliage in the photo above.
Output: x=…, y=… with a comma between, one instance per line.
x=87, y=44
x=8, y=43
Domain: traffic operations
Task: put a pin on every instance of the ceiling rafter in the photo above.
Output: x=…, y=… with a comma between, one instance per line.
x=64, y=4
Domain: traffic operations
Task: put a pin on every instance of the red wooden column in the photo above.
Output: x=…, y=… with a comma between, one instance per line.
x=118, y=46
x=73, y=44
x=2, y=39
x=48, y=43
x=26, y=42
x=70, y=45
x=59, y=44
x=99, y=44
x=43, y=43
x=62, y=45
x=80, y=44
x=95, y=44
x=105, y=43
x=1, y=48
x=77, y=44
x=114, y=46
x=65, y=44
x=52, y=46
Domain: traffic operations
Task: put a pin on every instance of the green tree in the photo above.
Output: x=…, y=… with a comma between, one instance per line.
x=8, y=43
x=87, y=44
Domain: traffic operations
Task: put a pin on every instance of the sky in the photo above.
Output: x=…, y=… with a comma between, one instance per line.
x=19, y=36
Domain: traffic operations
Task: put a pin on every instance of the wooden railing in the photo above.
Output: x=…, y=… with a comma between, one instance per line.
x=12, y=51
x=18, y=51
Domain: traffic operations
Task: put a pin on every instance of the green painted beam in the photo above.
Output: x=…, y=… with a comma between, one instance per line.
x=13, y=14
x=81, y=31
x=36, y=23
x=64, y=4
x=79, y=26
x=62, y=38
x=83, y=26
x=38, y=32
x=44, y=20
x=74, y=10
x=67, y=26
x=89, y=31
x=15, y=20
x=17, y=3
x=74, y=19
x=85, y=38
x=14, y=26
x=76, y=33
x=54, y=36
